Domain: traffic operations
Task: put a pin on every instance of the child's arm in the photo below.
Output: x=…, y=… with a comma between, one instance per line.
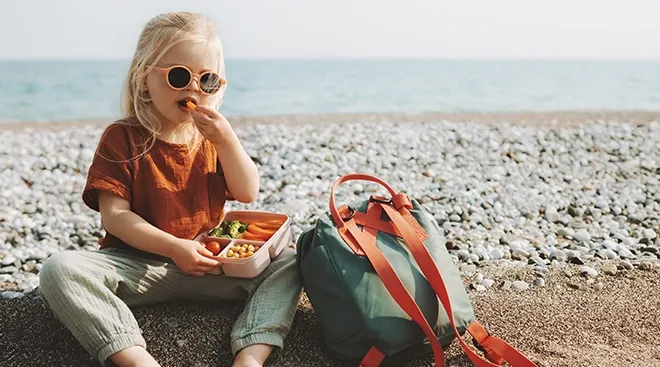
x=240, y=172
x=120, y=221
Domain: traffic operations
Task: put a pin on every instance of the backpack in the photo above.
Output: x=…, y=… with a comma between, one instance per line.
x=384, y=287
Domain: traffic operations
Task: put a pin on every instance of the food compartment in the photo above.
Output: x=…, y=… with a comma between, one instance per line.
x=239, y=249
x=272, y=228
x=244, y=259
x=215, y=244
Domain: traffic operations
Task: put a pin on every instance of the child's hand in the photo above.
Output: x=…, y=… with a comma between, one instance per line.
x=211, y=124
x=192, y=258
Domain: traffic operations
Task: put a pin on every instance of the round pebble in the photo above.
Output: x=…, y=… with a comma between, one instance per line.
x=566, y=232
x=480, y=288
x=588, y=272
x=609, y=269
x=582, y=235
x=625, y=265
x=519, y=285
x=11, y=295
x=8, y=260
x=496, y=254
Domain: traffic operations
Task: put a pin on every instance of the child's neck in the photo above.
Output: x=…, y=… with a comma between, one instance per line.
x=177, y=134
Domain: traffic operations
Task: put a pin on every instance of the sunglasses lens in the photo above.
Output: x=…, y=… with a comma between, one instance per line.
x=210, y=83
x=178, y=77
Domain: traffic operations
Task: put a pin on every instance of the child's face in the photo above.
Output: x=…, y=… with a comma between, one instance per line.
x=168, y=101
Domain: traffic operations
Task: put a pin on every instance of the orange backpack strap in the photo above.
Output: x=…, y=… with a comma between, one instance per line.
x=396, y=289
x=373, y=358
x=496, y=350
x=339, y=218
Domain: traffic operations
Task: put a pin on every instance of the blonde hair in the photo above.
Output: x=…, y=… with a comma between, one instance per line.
x=159, y=35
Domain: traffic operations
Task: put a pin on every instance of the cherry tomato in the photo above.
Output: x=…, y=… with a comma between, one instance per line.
x=214, y=247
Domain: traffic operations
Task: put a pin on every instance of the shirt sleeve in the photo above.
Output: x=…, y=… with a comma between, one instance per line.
x=111, y=167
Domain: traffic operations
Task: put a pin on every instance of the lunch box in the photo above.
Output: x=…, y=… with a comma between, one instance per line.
x=250, y=267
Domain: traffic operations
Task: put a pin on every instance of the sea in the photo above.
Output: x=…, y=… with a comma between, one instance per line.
x=48, y=90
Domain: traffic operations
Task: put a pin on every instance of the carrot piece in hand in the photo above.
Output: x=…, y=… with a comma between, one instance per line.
x=191, y=105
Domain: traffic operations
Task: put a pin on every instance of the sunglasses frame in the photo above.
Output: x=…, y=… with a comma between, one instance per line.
x=193, y=76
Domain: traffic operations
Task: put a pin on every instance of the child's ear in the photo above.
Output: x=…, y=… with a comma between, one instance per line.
x=144, y=90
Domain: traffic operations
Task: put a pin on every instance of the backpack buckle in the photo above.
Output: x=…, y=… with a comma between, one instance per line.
x=489, y=354
x=380, y=199
x=477, y=345
x=351, y=213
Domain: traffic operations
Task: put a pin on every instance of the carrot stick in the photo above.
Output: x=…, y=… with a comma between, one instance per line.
x=253, y=237
x=266, y=225
x=260, y=231
x=274, y=221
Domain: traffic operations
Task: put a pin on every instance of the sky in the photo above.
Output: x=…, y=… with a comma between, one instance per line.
x=266, y=29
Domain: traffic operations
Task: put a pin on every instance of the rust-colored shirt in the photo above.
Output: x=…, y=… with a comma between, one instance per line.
x=177, y=189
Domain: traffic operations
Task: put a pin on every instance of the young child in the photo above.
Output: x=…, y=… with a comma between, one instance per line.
x=159, y=178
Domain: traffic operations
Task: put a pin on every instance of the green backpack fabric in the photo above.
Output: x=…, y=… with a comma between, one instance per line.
x=347, y=261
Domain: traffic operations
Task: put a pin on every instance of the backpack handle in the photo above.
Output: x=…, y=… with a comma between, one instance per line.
x=339, y=222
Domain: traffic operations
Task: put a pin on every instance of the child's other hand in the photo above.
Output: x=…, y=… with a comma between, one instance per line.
x=211, y=124
x=192, y=258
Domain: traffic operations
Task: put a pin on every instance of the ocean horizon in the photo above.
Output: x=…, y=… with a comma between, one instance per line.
x=61, y=90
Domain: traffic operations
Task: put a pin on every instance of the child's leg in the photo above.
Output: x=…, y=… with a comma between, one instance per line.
x=272, y=301
x=89, y=292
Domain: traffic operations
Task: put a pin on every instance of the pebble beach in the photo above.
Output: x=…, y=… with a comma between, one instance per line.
x=528, y=203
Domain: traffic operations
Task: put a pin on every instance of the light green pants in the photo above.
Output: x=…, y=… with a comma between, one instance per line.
x=90, y=293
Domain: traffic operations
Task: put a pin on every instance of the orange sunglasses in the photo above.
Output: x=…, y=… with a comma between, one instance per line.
x=179, y=77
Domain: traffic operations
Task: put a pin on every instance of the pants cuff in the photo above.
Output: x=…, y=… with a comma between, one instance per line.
x=120, y=343
x=273, y=339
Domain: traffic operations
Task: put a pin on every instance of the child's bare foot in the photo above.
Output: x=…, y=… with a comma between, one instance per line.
x=253, y=355
x=135, y=356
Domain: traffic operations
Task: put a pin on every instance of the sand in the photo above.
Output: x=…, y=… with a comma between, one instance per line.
x=555, y=325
